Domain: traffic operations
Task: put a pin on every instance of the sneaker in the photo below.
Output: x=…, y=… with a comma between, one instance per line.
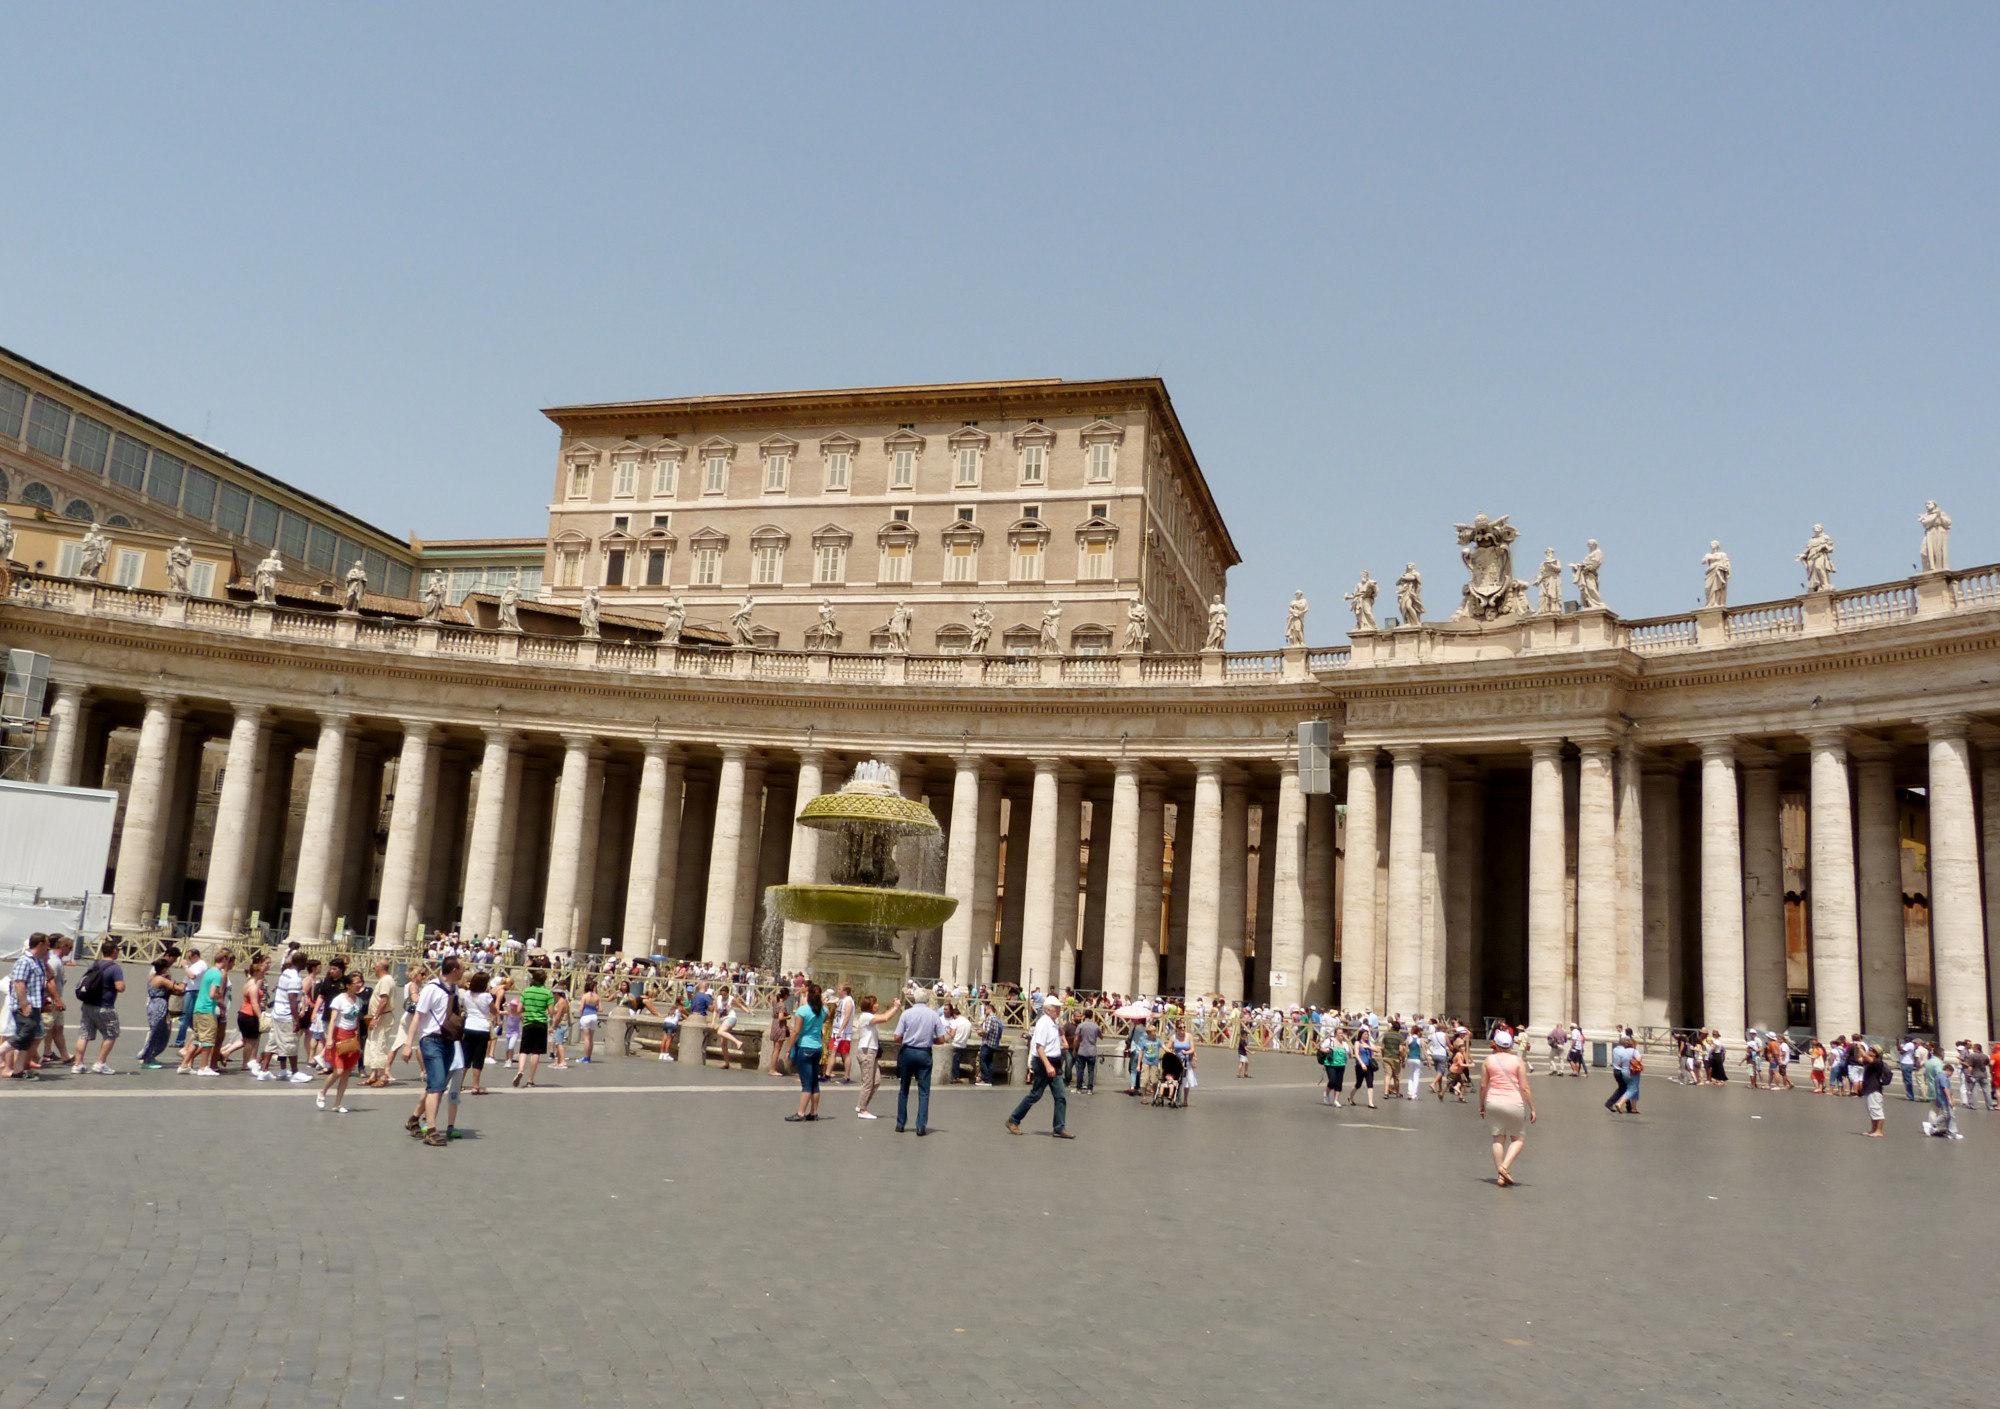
x=152, y=1066
x=666, y=1056
x=320, y=1100
x=340, y=1110
x=453, y=1135
x=583, y=1061
x=868, y=1115
x=267, y=1075
x=77, y=1070
x=207, y=1071
x=104, y=1069
x=299, y=1078
x=253, y=1067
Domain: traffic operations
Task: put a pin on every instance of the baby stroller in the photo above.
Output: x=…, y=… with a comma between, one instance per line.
x=1172, y=1088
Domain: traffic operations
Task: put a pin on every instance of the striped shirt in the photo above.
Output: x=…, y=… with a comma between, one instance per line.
x=535, y=1001
x=29, y=972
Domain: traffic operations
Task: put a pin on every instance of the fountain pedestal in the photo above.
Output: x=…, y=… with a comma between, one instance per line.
x=853, y=957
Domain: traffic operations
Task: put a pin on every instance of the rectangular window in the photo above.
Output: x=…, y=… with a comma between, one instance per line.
x=201, y=579
x=625, y=479
x=377, y=565
x=1100, y=462
x=1027, y=562
x=614, y=567
x=768, y=560
x=399, y=580
x=319, y=547
x=89, y=445
x=163, y=479
x=264, y=522
x=48, y=426
x=198, y=493
x=347, y=555
x=718, y=475
x=656, y=567
x=13, y=406
x=776, y=468
x=1032, y=512
x=232, y=506
x=707, y=565
x=569, y=567
x=1033, y=460
x=531, y=582
x=900, y=515
x=131, y=568
x=621, y=523
x=663, y=521
x=962, y=563
x=128, y=463
x=967, y=513
x=1096, y=558
x=895, y=562
x=293, y=530
x=463, y=582
x=836, y=470
x=1100, y=510
x=968, y=466
x=69, y=557
x=903, y=473
x=666, y=473
x=830, y=563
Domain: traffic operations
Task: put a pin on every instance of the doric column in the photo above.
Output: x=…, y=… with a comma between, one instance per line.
x=1321, y=885
x=1152, y=859
x=403, y=864
x=774, y=855
x=1836, y=941
x=748, y=850
x=559, y=908
x=718, y=922
x=1548, y=997
x=1068, y=876
x=1204, y=879
x=1721, y=891
x=1121, y=896
x=357, y=861
x=1466, y=818
x=1038, y=914
x=271, y=830
x=234, y=848
x=649, y=822
x=319, y=843
x=506, y=847
x=1766, y=988
x=1287, y=858
x=1596, y=892
x=427, y=881
x=1958, y=946
x=64, y=745
x=1432, y=867
x=1885, y=980
x=1177, y=885
x=1406, y=879
x=1357, y=879
x=1631, y=886
x=334, y=896
x=591, y=860
x=138, y=874
x=1989, y=798
x=696, y=853
x=1660, y=801
x=986, y=879
x=1233, y=895
x=803, y=868
x=187, y=747
x=482, y=912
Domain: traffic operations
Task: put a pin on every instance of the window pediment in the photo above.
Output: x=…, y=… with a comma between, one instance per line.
x=667, y=450
x=969, y=436
x=617, y=538
x=963, y=532
x=840, y=443
x=1036, y=434
x=1027, y=531
x=777, y=445
x=903, y=440
x=709, y=537
x=716, y=446
x=770, y=535
x=1101, y=430
x=1097, y=528
x=570, y=538
x=831, y=533
x=895, y=531
x=659, y=538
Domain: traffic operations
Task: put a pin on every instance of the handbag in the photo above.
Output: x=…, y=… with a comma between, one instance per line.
x=1638, y=1064
x=347, y=1046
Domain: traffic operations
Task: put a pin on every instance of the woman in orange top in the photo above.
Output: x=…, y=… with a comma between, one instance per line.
x=1504, y=1093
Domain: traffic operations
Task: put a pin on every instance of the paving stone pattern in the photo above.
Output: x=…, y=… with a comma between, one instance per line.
x=646, y=1234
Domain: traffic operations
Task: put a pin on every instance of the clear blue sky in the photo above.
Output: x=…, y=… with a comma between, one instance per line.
x=1653, y=275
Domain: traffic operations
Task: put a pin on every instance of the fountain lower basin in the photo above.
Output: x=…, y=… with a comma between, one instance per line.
x=869, y=907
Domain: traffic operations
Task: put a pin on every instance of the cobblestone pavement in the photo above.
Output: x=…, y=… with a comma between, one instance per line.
x=646, y=1234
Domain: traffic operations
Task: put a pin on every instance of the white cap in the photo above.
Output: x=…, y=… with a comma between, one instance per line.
x=1503, y=1039
x=1052, y=1001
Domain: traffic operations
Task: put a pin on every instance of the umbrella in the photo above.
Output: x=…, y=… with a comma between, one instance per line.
x=1134, y=1011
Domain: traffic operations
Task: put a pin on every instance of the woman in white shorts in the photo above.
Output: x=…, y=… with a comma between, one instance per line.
x=1507, y=1102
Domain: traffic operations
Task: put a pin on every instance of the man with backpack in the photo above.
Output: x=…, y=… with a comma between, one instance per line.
x=992, y=1032
x=434, y=1031
x=97, y=995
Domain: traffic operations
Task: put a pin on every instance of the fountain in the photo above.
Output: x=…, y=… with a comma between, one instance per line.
x=862, y=908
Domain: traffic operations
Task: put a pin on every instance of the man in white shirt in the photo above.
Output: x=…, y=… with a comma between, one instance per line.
x=843, y=1034
x=1045, y=1065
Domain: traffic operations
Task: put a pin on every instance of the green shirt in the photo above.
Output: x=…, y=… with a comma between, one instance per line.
x=535, y=1001
x=205, y=994
x=1335, y=1056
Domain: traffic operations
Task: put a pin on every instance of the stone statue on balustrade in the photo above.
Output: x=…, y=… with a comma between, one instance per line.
x=267, y=579
x=96, y=548
x=180, y=562
x=824, y=635
x=1585, y=573
x=1936, y=524
x=432, y=607
x=591, y=615
x=1410, y=595
x=740, y=629
x=1549, y=585
x=1715, y=575
x=1486, y=546
x=6, y=537
x=982, y=630
x=675, y=618
x=1818, y=558
x=357, y=586
x=1218, y=625
x=899, y=628
x=1362, y=599
x=1051, y=642
x=510, y=608
x=1295, y=619
x=1135, y=627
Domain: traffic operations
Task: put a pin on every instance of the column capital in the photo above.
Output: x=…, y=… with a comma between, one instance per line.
x=664, y=749
x=814, y=756
x=1047, y=763
x=1939, y=727
x=1407, y=752
x=252, y=713
x=417, y=730
x=736, y=752
x=1717, y=746
x=499, y=734
x=1128, y=768
x=1209, y=768
x=168, y=700
x=70, y=690
x=1542, y=750
x=339, y=720
x=1597, y=748
x=1832, y=737
x=579, y=743
x=1361, y=755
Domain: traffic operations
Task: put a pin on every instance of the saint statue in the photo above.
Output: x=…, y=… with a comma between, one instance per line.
x=96, y=548
x=1585, y=573
x=1295, y=619
x=180, y=561
x=1051, y=643
x=1362, y=599
x=6, y=537
x=825, y=634
x=267, y=579
x=739, y=623
x=1218, y=625
x=1937, y=534
x=1410, y=595
x=510, y=607
x=899, y=628
x=982, y=630
x=590, y=615
x=357, y=583
x=1549, y=585
x=676, y=618
x=1135, y=626
x=1818, y=558
x=1486, y=548
x=433, y=600
x=1715, y=575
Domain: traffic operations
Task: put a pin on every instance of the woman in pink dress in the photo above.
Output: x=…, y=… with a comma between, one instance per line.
x=1506, y=1100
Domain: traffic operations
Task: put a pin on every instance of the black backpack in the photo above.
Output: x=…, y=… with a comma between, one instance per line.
x=90, y=989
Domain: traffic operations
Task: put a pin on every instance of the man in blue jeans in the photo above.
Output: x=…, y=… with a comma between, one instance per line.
x=916, y=1031
x=437, y=1001
x=1045, y=1064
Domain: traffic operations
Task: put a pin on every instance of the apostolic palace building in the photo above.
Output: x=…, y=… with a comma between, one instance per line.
x=1759, y=814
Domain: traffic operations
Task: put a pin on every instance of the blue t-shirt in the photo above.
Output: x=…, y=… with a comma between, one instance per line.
x=810, y=1025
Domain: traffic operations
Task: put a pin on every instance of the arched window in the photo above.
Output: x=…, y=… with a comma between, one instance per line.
x=954, y=640
x=38, y=494
x=1090, y=640
x=77, y=509
x=118, y=521
x=5, y=488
